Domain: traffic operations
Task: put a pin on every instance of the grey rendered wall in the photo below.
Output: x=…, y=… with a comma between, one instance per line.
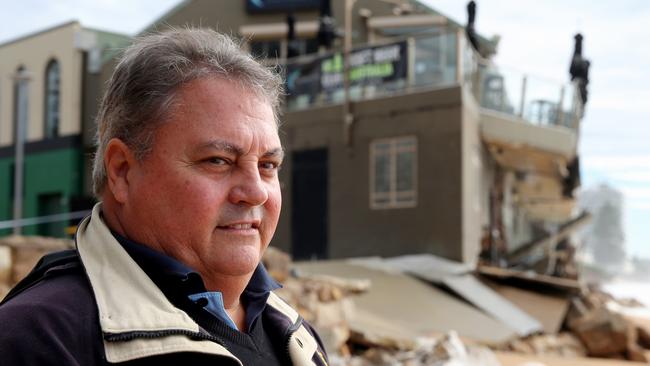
x=435, y=225
x=473, y=185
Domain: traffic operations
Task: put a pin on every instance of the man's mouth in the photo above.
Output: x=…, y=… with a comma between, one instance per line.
x=240, y=226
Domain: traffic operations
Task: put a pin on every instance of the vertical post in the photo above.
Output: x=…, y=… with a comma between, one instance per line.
x=21, y=121
x=410, y=70
x=478, y=80
x=576, y=108
x=348, y=118
x=459, y=55
x=522, y=102
x=560, y=109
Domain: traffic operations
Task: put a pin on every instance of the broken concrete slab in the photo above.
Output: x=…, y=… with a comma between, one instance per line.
x=549, y=309
x=425, y=266
x=399, y=304
x=457, y=277
x=493, y=304
x=531, y=278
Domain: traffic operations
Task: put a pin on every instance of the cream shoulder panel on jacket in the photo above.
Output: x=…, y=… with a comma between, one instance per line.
x=129, y=301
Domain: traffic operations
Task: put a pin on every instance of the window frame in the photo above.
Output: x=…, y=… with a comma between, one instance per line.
x=46, y=101
x=392, y=195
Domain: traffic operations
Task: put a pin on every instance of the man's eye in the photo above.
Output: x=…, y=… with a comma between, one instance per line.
x=217, y=161
x=269, y=165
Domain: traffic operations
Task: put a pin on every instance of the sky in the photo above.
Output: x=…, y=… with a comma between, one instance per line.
x=536, y=38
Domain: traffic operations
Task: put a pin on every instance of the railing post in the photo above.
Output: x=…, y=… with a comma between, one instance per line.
x=522, y=102
x=476, y=78
x=459, y=55
x=577, y=109
x=560, y=109
x=410, y=70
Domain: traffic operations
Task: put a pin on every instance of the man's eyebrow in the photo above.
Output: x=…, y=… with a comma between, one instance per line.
x=274, y=153
x=222, y=146
x=238, y=151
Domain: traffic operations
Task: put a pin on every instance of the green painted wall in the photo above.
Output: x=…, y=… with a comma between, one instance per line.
x=47, y=174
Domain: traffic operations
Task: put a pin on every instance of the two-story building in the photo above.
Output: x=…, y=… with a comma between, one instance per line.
x=49, y=85
x=426, y=147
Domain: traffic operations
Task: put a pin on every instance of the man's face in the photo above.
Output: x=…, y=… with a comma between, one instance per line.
x=208, y=193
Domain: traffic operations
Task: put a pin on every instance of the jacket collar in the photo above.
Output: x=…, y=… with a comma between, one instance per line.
x=129, y=302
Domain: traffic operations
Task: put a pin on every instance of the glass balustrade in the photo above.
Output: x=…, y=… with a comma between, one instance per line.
x=428, y=61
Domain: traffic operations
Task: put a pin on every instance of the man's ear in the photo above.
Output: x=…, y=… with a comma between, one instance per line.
x=118, y=161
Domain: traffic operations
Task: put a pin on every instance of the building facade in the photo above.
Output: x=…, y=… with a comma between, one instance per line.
x=48, y=81
x=433, y=149
x=426, y=147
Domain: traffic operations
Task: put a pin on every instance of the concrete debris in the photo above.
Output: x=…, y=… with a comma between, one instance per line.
x=277, y=263
x=36, y=242
x=564, y=344
x=448, y=350
x=19, y=254
x=609, y=327
x=369, y=314
x=401, y=307
x=323, y=301
x=604, y=333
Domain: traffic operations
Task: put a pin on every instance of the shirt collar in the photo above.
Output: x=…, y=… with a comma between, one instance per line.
x=261, y=281
x=157, y=264
x=153, y=261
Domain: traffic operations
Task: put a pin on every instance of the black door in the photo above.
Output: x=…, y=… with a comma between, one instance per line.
x=309, y=210
x=51, y=204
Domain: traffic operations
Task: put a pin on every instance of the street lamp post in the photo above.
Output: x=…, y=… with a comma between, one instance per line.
x=21, y=79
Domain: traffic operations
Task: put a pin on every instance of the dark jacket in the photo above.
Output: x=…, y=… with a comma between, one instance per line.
x=97, y=307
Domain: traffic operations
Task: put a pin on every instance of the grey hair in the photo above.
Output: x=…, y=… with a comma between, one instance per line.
x=141, y=92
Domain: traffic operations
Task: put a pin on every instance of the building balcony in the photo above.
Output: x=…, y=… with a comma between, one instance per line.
x=438, y=60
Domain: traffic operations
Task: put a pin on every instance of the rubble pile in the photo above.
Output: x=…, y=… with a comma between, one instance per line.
x=325, y=303
x=606, y=331
x=19, y=254
x=594, y=327
x=564, y=344
x=447, y=350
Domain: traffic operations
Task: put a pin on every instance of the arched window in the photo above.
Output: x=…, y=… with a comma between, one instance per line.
x=21, y=103
x=52, y=105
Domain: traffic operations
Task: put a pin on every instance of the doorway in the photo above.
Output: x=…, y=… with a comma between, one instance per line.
x=309, y=211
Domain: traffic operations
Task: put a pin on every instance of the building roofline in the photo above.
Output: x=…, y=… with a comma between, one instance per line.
x=38, y=33
x=108, y=32
x=152, y=26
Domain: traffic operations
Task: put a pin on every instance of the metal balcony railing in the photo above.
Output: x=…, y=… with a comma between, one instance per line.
x=429, y=61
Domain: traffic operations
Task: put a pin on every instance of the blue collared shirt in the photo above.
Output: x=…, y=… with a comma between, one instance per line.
x=163, y=270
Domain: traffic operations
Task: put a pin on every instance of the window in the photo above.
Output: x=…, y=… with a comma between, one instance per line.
x=393, y=173
x=52, y=82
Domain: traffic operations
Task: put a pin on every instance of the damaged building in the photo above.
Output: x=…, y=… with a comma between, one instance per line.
x=431, y=148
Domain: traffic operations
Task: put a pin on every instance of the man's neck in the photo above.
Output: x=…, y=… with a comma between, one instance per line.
x=231, y=288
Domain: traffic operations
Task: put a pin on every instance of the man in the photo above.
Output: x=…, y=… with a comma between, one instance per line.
x=167, y=268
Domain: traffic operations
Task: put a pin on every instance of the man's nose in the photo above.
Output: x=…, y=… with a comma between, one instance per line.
x=248, y=188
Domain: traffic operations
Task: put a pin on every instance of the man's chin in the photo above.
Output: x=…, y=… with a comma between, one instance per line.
x=240, y=259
